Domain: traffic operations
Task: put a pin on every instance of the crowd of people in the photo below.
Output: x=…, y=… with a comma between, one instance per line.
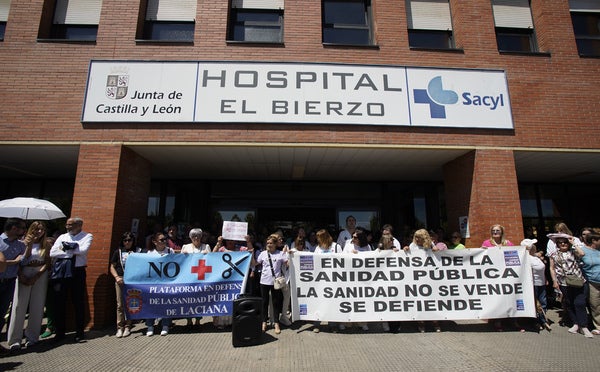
x=37, y=271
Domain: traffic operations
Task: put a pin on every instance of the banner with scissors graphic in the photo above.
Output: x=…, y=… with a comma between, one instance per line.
x=183, y=285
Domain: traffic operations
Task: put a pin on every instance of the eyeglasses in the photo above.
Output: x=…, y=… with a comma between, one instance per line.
x=127, y=240
x=561, y=242
x=162, y=240
x=496, y=231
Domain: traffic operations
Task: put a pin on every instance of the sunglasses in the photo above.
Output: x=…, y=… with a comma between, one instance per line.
x=162, y=240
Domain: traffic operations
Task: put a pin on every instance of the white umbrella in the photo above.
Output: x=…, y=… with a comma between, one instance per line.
x=30, y=209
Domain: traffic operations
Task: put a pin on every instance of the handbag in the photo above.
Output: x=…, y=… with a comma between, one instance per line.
x=279, y=282
x=573, y=280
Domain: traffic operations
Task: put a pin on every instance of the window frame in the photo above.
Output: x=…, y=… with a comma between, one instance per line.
x=235, y=24
x=434, y=43
x=50, y=30
x=368, y=25
x=150, y=29
x=580, y=38
x=512, y=30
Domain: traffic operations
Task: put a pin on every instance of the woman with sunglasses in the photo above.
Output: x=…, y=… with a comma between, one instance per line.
x=568, y=277
x=117, y=269
x=497, y=238
x=159, y=242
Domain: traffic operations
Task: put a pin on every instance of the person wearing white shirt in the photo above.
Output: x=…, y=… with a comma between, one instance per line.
x=346, y=235
x=74, y=244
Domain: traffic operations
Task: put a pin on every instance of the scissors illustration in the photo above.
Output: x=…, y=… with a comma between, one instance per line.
x=227, y=273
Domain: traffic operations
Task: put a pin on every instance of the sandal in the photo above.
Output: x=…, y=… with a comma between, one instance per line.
x=277, y=329
x=264, y=326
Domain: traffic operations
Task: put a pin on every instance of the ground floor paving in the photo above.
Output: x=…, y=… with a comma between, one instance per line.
x=461, y=346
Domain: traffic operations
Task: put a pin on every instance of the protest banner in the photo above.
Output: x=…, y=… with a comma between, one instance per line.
x=420, y=285
x=183, y=285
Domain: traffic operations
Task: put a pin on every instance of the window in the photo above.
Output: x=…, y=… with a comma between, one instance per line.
x=514, y=26
x=585, y=15
x=429, y=24
x=170, y=20
x=347, y=22
x=258, y=21
x=4, y=7
x=76, y=20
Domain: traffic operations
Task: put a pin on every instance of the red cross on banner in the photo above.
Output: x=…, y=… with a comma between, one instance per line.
x=201, y=269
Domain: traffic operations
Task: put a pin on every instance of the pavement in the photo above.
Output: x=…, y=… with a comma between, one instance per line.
x=461, y=346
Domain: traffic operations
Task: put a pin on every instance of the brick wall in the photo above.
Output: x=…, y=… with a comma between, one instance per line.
x=112, y=187
x=551, y=94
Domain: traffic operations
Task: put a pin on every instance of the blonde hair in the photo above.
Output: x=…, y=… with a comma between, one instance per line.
x=29, y=238
x=502, y=238
x=423, y=235
x=386, y=241
x=324, y=239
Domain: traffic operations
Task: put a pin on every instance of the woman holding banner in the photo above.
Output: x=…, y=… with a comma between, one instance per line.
x=159, y=242
x=326, y=245
x=272, y=261
x=422, y=240
x=117, y=269
x=497, y=238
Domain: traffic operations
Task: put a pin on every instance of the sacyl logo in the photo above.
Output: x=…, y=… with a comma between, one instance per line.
x=436, y=97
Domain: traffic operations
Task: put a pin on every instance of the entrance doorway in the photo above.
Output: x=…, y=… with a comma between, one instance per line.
x=288, y=218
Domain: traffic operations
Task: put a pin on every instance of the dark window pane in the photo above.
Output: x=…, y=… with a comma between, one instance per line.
x=430, y=39
x=345, y=12
x=514, y=40
x=586, y=27
x=256, y=25
x=346, y=36
x=169, y=31
x=586, y=24
x=74, y=32
x=2, y=29
x=346, y=22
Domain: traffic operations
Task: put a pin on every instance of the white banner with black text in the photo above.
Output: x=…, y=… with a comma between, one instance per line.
x=422, y=285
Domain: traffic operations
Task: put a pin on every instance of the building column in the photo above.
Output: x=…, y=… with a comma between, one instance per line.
x=112, y=187
x=482, y=185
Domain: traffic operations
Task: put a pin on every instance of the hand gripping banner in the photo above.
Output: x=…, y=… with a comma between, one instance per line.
x=183, y=285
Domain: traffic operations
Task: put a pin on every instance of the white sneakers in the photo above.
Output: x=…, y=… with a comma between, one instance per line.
x=150, y=331
x=583, y=330
x=123, y=332
x=165, y=331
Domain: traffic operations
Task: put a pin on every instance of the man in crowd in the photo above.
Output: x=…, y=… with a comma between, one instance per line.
x=12, y=250
x=74, y=244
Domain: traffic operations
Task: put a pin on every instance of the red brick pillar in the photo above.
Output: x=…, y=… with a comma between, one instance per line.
x=483, y=186
x=112, y=186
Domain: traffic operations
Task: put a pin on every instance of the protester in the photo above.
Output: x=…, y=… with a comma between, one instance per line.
x=12, y=249
x=455, y=242
x=590, y=265
x=73, y=245
x=30, y=292
x=568, y=277
x=272, y=261
x=346, y=234
x=538, y=269
x=127, y=245
x=159, y=241
x=497, y=238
